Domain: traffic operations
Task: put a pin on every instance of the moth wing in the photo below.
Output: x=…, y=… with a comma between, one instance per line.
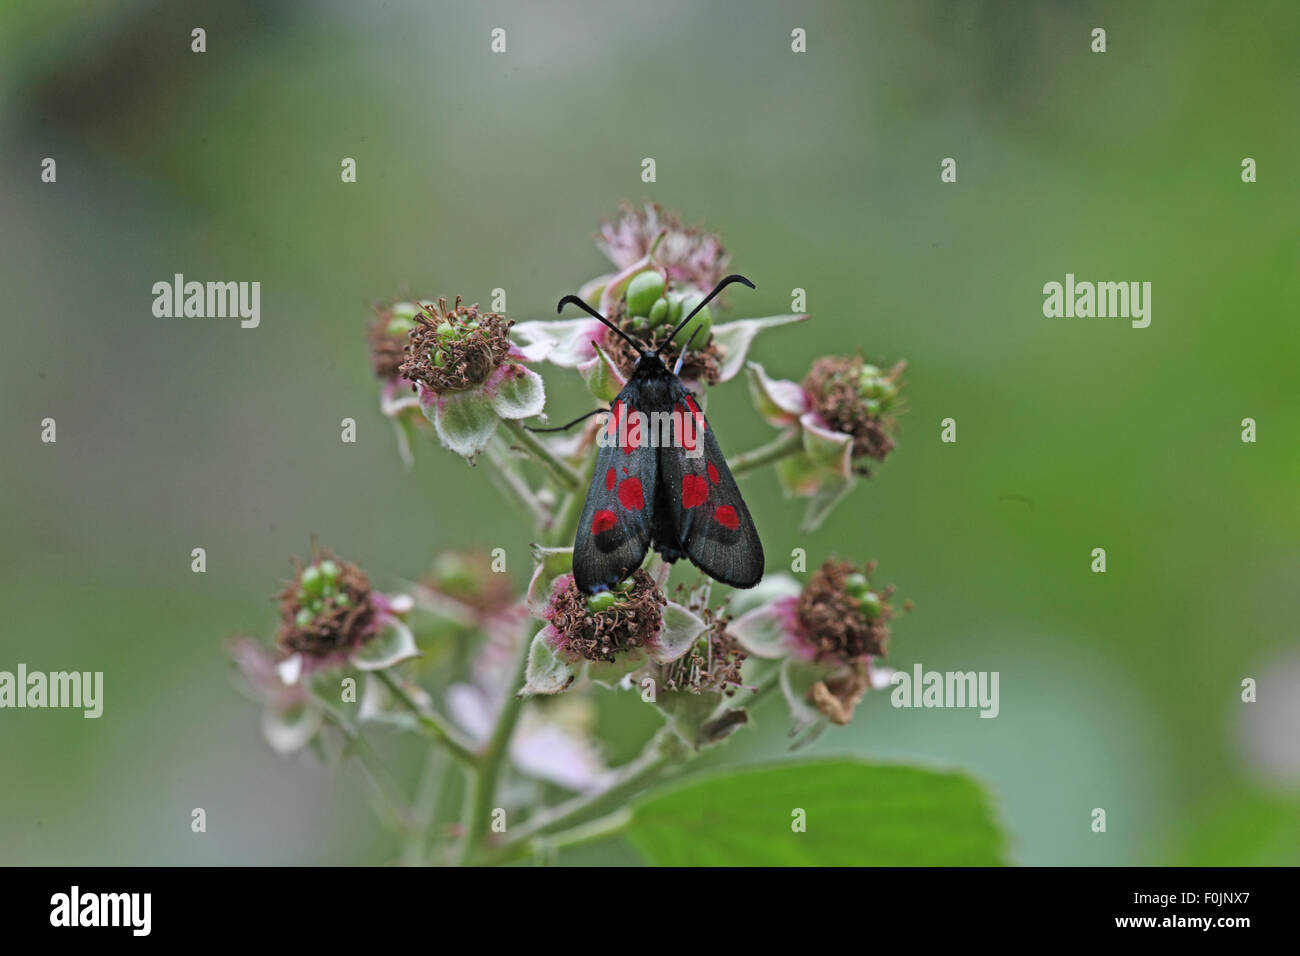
x=614, y=528
x=706, y=513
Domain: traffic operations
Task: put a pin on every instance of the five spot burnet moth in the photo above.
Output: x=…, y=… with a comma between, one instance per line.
x=661, y=480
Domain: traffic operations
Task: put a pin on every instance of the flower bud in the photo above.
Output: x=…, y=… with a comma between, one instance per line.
x=643, y=291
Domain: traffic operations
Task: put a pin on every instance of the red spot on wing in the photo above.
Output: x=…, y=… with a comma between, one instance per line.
x=726, y=516
x=713, y=473
x=695, y=410
x=603, y=520
x=610, y=478
x=632, y=432
x=695, y=491
x=630, y=495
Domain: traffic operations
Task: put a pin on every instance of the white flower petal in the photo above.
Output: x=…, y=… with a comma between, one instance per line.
x=570, y=340
x=736, y=338
x=290, y=730
x=779, y=401
x=290, y=669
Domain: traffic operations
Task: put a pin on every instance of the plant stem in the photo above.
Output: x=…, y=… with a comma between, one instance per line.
x=662, y=754
x=434, y=725
x=783, y=446
x=387, y=793
x=483, y=791
x=561, y=472
x=512, y=485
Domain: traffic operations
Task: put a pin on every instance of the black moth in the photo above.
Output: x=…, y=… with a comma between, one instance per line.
x=661, y=481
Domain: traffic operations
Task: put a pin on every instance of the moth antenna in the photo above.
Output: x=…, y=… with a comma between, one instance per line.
x=560, y=428
x=708, y=298
x=596, y=315
x=677, y=369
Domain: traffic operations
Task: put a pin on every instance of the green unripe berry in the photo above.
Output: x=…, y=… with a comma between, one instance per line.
x=317, y=606
x=856, y=584
x=699, y=327
x=311, y=581
x=399, y=325
x=869, y=605
x=601, y=602
x=440, y=358
x=623, y=586
x=445, y=330
x=404, y=310
x=643, y=291
x=304, y=618
x=674, y=307
x=329, y=569
x=342, y=600
x=658, y=313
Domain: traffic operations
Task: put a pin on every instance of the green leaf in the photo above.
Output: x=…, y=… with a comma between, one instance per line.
x=856, y=814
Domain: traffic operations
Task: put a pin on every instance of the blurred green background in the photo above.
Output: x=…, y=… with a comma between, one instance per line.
x=819, y=170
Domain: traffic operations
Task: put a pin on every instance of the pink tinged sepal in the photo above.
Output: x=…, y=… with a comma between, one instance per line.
x=551, y=668
x=736, y=338
x=602, y=376
x=825, y=445
x=397, y=396
x=515, y=392
x=393, y=644
x=568, y=342
x=779, y=401
x=680, y=629
x=769, y=630
x=610, y=673
x=549, y=566
x=465, y=421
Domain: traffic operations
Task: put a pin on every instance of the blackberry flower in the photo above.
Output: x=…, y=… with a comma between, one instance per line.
x=842, y=416
x=827, y=634
x=467, y=374
x=331, y=617
x=607, y=635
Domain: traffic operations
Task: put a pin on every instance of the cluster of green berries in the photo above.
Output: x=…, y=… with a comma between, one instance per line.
x=878, y=389
x=604, y=600
x=402, y=321
x=858, y=587
x=317, y=588
x=650, y=306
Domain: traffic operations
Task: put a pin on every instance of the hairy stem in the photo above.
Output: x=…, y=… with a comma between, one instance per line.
x=484, y=787
x=433, y=725
x=782, y=447
x=513, y=486
x=557, y=469
x=663, y=753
